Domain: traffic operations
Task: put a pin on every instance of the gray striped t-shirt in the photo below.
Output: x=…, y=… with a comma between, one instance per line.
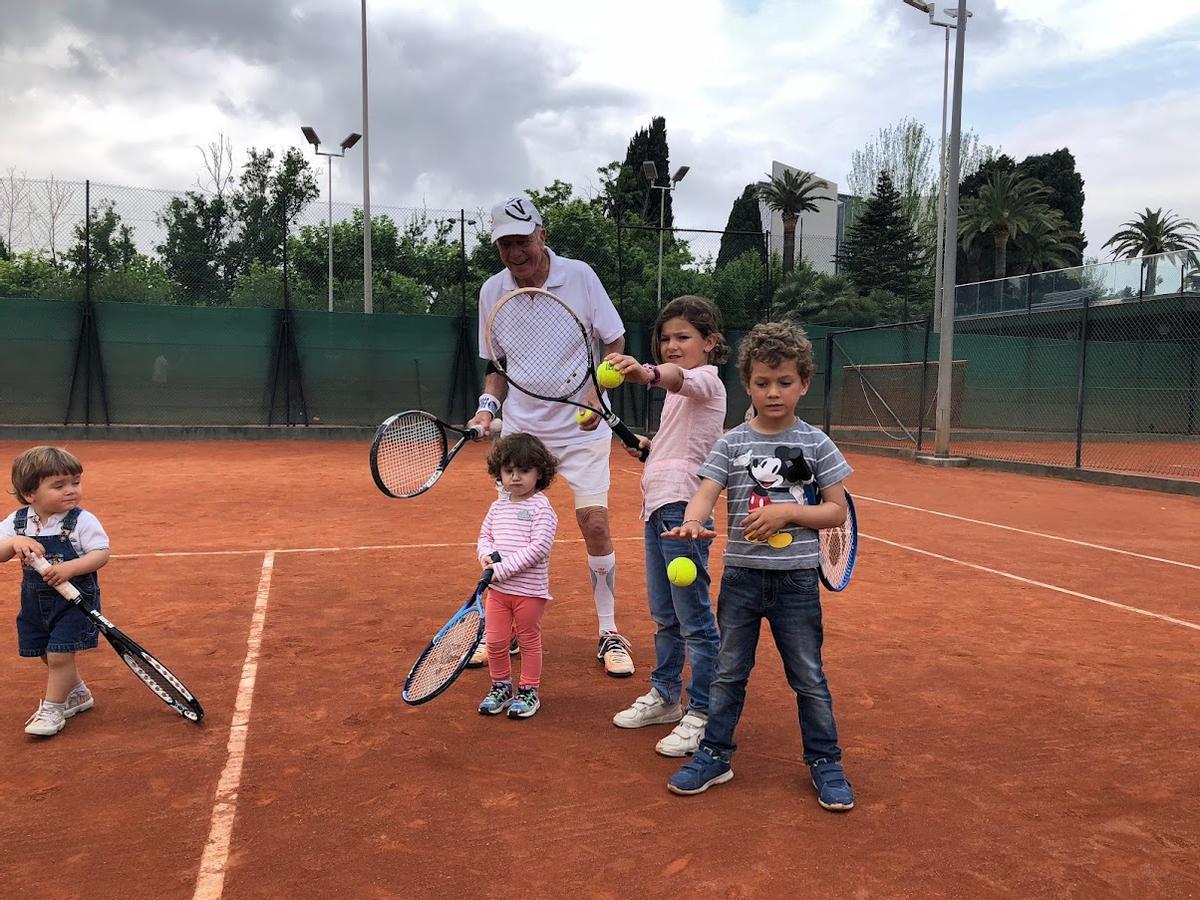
x=770, y=457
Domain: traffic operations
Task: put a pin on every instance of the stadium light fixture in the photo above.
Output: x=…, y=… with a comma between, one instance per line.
x=349, y=141
x=650, y=170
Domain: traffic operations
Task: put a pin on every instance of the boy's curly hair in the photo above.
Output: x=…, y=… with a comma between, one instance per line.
x=702, y=314
x=772, y=343
x=523, y=451
x=37, y=463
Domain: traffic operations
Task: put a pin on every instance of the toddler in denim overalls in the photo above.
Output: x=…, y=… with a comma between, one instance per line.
x=74, y=542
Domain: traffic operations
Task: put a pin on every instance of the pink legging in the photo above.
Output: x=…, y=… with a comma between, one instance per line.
x=506, y=613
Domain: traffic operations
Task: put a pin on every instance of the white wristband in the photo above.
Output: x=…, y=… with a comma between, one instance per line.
x=489, y=404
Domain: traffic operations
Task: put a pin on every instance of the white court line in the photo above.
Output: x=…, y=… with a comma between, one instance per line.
x=211, y=880
x=278, y=550
x=1030, y=581
x=1041, y=534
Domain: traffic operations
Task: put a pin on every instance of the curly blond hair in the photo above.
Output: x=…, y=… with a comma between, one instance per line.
x=772, y=343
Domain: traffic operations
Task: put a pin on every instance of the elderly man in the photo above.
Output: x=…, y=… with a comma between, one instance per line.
x=519, y=235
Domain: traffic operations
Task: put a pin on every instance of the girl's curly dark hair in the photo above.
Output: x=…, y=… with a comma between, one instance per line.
x=523, y=451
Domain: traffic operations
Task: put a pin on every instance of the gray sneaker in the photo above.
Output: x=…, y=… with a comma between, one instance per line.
x=649, y=709
x=79, y=700
x=498, y=699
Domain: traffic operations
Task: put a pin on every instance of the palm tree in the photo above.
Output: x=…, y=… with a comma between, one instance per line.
x=1047, y=244
x=1151, y=233
x=1008, y=205
x=789, y=195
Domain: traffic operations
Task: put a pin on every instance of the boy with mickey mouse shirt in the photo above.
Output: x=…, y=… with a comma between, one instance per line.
x=771, y=558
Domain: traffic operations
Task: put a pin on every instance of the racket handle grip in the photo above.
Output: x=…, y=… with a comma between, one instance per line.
x=487, y=576
x=41, y=566
x=622, y=431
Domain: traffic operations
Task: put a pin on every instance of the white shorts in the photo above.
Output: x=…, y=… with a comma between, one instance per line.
x=585, y=468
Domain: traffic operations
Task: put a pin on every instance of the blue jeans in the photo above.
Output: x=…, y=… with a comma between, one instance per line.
x=683, y=616
x=790, y=601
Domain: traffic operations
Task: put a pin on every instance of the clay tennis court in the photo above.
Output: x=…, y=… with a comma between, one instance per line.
x=1013, y=669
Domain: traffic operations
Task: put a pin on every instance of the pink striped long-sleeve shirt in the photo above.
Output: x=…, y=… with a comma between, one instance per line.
x=523, y=533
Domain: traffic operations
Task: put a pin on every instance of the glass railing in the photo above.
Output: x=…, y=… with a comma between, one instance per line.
x=1117, y=281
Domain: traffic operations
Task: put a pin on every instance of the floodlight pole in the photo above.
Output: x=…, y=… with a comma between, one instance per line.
x=651, y=172
x=949, y=275
x=941, y=212
x=350, y=141
x=368, y=293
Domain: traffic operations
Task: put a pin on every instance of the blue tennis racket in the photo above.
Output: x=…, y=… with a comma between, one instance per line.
x=839, y=546
x=447, y=654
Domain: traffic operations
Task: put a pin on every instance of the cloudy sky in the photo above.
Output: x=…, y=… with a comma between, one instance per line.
x=471, y=100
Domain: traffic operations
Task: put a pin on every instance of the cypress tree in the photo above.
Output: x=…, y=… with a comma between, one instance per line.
x=744, y=217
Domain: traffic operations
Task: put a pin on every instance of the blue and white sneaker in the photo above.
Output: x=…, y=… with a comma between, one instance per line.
x=498, y=699
x=525, y=704
x=833, y=790
x=702, y=771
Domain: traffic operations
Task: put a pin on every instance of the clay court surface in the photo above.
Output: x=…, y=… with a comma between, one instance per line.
x=1017, y=693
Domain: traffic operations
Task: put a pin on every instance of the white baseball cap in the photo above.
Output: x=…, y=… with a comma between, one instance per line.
x=516, y=215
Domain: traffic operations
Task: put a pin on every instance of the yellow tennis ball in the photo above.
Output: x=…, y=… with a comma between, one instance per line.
x=583, y=415
x=779, y=540
x=608, y=376
x=681, y=571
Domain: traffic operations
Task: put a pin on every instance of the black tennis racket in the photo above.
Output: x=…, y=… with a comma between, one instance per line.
x=157, y=677
x=447, y=654
x=410, y=452
x=538, y=343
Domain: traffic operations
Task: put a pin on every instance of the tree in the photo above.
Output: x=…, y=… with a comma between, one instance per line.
x=266, y=203
x=631, y=191
x=14, y=202
x=1057, y=171
x=808, y=297
x=881, y=251
x=1008, y=204
x=1048, y=244
x=791, y=194
x=744, y=230
x=194, y=253
x=112, y=242
x=1152, y=232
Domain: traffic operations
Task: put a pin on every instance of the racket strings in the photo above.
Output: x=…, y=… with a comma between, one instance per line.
x=444, y=657
x=409, y=453
x=541, y=344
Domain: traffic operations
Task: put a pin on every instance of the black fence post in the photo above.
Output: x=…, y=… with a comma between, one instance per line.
x=828, y=398
x=1080, y=392
x=924, y=384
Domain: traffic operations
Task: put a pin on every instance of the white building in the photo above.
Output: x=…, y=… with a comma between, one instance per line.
x=816, y=232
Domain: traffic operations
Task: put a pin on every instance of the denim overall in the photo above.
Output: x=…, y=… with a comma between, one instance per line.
x=48, y=622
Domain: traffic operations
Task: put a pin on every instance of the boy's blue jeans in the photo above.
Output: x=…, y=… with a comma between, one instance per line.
x=683, y=616
x=790, y=601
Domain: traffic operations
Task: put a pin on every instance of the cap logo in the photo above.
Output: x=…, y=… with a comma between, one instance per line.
x=515, y=209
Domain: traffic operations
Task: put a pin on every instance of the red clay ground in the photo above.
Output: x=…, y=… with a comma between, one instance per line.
x=1004, y=739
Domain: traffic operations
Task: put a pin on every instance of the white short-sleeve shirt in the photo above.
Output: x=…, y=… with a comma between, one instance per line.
x=579, y=287
x=88, y=535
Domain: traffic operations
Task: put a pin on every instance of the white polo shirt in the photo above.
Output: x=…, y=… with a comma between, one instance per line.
x=579, y=287
x=88, y=535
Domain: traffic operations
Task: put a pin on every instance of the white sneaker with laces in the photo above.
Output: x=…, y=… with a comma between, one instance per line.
x=614, y=653
x=650, y=709
x=79, y=700
x=47, y=721
x=479, y=657
x=685, y=738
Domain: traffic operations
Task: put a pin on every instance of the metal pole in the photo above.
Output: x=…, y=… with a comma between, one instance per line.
x=949, y=276
x=329, y=223
x=941, y=212
x=662, y=206
x=1081, y=384
x=368, y=301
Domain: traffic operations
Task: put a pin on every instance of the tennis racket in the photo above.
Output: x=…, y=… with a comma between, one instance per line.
x=410, y=452
x=157, y=677
x=838, y=546
x=447, y=654
x=538, y=343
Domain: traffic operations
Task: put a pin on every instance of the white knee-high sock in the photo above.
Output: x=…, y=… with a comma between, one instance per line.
x=603, y=570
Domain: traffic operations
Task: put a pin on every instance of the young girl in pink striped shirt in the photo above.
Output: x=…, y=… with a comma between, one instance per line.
x=521, y=527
